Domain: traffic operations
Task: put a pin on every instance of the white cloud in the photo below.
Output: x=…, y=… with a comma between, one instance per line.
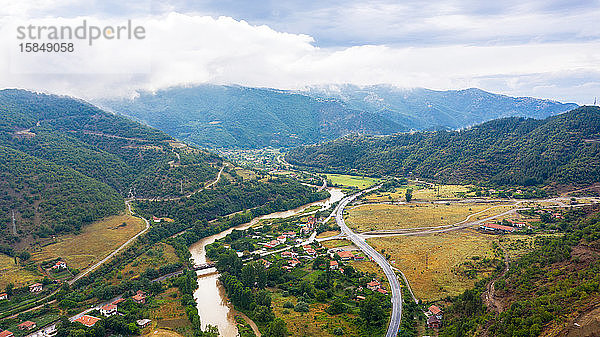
x=184, y=49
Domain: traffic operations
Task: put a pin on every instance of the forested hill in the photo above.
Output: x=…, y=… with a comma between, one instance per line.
x=562, y=149
x=235, y=116
x=65, y=163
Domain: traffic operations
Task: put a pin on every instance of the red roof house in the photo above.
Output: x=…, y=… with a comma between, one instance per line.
x=88, y=320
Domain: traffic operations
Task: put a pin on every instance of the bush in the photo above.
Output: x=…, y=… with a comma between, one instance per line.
x=288, y=305
x=301, y=307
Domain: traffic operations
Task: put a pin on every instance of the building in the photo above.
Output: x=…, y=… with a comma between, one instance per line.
x=345, y=255
x=333, y=265
x=118, y=301
x=36, y=288
x=59, y=265
x=290, y=235
x=359, y=257
x=373, y=285
x=433, y=322
x=6, y=333
x=27, y=325
x=3, y=296
x=495, y=228
x=281, y=239
x=265, y=263
x=293, y=263
x=360, y=298
x=155, y=219
x=139, y=298
x=142, y=323
x=311, y=251
x=434, y=311
x=88, y=320
x=289, y=254
x=382, y=291
x=108, y=310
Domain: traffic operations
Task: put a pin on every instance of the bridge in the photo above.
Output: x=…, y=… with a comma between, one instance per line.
x=203, y=266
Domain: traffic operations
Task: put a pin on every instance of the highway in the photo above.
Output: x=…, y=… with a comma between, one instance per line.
x=396, y=317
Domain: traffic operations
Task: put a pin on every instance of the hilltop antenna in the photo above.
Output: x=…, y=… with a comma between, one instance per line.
x=595, y=100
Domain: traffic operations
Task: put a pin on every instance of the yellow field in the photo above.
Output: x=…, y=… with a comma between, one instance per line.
x=328, y=234
x=96, y=241
x=246, y=174
x=442, y=252
x=352, y=181
x=316, y=322
x=382, y=216
x=335, y=243
x=11, y=273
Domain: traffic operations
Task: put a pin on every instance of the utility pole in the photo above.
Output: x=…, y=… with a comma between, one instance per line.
x=14, y=225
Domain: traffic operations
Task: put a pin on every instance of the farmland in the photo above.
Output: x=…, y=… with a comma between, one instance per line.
x=428, y=261
x=11, y=273
x=384, y=216
x=94, y=242
x=352, y=181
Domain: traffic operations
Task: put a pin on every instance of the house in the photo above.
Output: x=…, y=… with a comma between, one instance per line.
x=88, y=320
x=119, y=301
x=361, y=298
x=345, y=255
x=333, y=265
x=108, y=310
x=435, y=311
x=27, y=325
x=382, y=291
x=6, y=333
x=139, y=298
x=288, y=268
x=3, y=296
x=50, y=331
x=306, y=247
x=290, y=235
x=289, y=254
x=293, y=263
x=433, y=322
x=281, y=239
x=155, y=219
x=492, y=227
x=36, y=288
x=265, y=263
x=373, y=285
x=311, y=251
x=359, y=257
x=142, y=323
x=59, y=265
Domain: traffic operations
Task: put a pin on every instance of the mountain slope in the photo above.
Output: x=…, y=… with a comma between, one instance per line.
x=235, y=116
x=66, y=163
x=563, y=148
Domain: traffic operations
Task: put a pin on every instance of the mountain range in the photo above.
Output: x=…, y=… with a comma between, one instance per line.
x=559, y=149
x=218, y=116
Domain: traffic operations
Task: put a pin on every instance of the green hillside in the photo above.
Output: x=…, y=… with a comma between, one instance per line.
x=563, y=149
x=66, y=163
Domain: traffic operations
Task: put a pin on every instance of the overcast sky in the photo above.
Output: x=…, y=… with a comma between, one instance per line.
x=548, y=49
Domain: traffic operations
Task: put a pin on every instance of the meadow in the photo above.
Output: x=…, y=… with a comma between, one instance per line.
x=352, y=181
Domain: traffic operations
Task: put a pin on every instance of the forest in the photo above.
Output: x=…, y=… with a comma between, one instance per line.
x=563, y=149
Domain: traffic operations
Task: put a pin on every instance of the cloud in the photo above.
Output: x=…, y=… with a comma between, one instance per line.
x=187, y=49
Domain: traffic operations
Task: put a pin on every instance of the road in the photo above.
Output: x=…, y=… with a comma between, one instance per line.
x=396, y=317
x=116, y=251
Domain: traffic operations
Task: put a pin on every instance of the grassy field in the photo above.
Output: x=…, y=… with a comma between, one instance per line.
x=96, y=241
x=159, y=255
x=328, y=234
x=335, y=243
x=352, y=181
x=245, y=174
x=11, y=273
x=427, y=261
x=420, y=193
x=168, y=314
x=316, y=322
x=383, y=216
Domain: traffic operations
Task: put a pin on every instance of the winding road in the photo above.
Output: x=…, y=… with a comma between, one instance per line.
x=396, y=317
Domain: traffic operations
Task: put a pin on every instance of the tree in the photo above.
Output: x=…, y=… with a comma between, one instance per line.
x=277, y=328
x=408, y=195
x=371, y=311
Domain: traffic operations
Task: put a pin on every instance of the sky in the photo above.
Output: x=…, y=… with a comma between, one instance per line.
x=541, y=48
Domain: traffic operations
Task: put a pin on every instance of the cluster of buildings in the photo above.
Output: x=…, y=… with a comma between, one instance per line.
x=111, y=309
x=376, y=286
x=347, y=255
x=496, y=228
x=434, y=317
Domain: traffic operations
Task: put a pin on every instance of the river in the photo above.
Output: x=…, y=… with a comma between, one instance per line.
x=213, y=306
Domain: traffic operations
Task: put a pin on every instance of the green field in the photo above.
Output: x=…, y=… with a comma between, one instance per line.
x=352, y=181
